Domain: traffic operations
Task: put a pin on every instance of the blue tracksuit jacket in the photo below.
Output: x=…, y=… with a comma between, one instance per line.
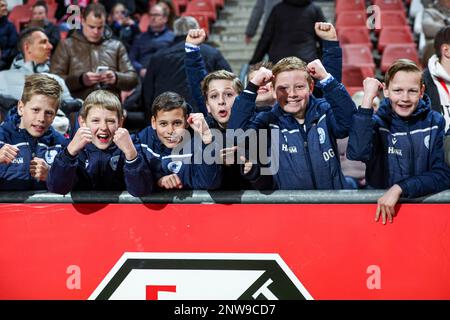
x=95, y=169
x=192, y=176
x=404, y=151
x=308, y=157
x=16, y=175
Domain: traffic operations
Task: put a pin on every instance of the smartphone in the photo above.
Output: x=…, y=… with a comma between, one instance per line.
x=102, y=69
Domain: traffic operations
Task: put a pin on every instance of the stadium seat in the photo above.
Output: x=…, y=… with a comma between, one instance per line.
x=180, y=6
x=389, y=5
x=20, y=15
x=394, y=35
x=392, y=19
x=144, y=22
x=354, y=35
x=393, y=52
x=353, y=77
x=349, y=5
x=358, y=55
x=201, y=7
x=350, y=19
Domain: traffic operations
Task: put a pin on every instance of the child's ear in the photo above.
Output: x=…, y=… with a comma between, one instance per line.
x=121, y=121
x=81, y=122
x=20, y=106
x=153, y=122
x=311, y=87
x=385, y=90
x=422, y=90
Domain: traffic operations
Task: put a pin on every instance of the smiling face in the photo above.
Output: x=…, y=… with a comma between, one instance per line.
x=169, y=126
x=219, y=100
x=293, y=90
x=103, y=124
x=37, y=114
x=405, y=90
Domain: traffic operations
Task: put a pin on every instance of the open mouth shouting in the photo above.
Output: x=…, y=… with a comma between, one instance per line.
x=223, y=113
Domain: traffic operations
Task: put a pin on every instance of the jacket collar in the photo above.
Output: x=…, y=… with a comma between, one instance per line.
x=385, y=110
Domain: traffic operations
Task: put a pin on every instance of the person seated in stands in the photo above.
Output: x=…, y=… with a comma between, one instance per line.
x=170, y=8
x=157, y=36
x=123, y=26
x=167, y=139
x=303, y=129
x=39, y=18
x=437, y=82
x=8, y=37
x=402, y=144
x=28, y=143
x=90, y=60
x=101, y=155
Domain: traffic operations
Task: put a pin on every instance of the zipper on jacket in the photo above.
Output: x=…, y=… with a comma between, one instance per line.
x=308, y=157
x=412, y=162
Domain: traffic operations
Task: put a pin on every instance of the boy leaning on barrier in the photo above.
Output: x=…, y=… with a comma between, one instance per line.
x=28, y=142
x=180, y=152
x=307, y=127
x=101, y=155
x=402, y=144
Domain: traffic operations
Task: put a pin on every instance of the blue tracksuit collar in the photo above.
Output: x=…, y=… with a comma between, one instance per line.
x=385, y=110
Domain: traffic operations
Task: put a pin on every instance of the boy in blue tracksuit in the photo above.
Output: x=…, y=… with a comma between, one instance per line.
x=307, y=127
x=402, y=144
x=101, y=155
x=28, y=143
x=181, y=154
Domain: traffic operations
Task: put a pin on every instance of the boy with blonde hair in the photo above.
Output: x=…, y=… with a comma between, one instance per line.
x=402, y=144
x=101, y=155
x=28, y=143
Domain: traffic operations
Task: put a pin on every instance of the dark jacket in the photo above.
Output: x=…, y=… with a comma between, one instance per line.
x=306, y=155
x=166, y=71
x=147, y=44
x=289, y=31
x=191, y=174
x=408, y=152
x=75, y=56
x=96, y=169
x=125, y=33
x=16, y=175
x=8, y=42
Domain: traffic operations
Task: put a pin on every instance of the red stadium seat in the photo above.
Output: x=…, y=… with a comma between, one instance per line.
x=180, y=6
x=350, y=19
x=392, y=19
x=20, y=15
x=393, y=52
x=354, y=35
x=358, y=55
x=202, y=7
x=390, y=5
x=350, y=5
x=353, y=77
x=394, y=35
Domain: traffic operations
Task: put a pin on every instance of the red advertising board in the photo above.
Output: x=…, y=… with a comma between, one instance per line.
x=327, y=251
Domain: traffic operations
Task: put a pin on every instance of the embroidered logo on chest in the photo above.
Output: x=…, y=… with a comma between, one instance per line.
x=113, y=162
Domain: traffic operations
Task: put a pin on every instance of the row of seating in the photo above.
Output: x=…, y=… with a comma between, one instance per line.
x=358, y=31
x=20, y=14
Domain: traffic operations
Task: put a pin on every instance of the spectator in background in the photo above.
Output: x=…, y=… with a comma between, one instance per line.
x=124, y=27
x=39, y=18
x=437, y=82
x=266, y=97
x=157, y=36
x=261, y=10
x=166, y=71
x=35, y=54
x=435, y=17
x=78, y=58
x=8, y=37
x=289, y=31
x=170, y=7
